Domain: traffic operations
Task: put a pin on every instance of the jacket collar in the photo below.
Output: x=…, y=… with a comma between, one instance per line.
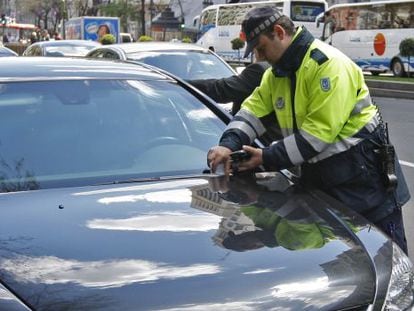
x=293, y=56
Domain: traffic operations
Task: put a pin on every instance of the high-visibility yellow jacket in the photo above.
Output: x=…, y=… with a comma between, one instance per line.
x=318, y=98
x=291, y=234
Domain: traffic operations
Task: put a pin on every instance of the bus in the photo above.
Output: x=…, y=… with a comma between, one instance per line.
x=370, y=33
x=219, y=24
x=18, y=31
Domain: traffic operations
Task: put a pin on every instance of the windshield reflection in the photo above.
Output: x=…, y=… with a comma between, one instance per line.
x=88, y=132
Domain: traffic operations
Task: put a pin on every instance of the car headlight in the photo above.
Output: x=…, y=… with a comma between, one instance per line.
x=400, y=290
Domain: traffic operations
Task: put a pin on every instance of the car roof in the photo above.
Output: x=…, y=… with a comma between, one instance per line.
x=67, y=42
x=67, y=68
x=156, y=46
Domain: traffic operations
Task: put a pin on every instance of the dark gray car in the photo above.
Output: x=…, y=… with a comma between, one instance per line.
x=107, y=204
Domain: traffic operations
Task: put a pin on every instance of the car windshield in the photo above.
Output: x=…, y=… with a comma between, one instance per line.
x=74, y=133
x=188, y=65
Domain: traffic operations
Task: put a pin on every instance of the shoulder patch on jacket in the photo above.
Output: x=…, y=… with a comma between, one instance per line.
x=318, y=56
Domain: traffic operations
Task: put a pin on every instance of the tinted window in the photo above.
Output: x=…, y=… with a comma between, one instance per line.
x=305, y=11
x=34, y=50
x=186, y=64
x=96, y=54
x=111, y=55
x=86, y=132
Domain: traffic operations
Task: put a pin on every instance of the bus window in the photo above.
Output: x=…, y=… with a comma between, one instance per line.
x=229, y=17
x=372, y=33
x=305, y=11
x=235, y=14
x=232, y=15
x=196, y=21
x=208, y=20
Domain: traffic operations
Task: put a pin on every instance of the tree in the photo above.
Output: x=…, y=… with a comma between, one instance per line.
x=40, y=9
x=144, y=38
x=82, y=8
x=107, y=39
x=407, y=50
x=123, y=9
x=237, y=44
x=45, y=11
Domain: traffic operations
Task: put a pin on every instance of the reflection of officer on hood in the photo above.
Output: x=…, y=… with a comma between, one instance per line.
x=281, y=218
x=300, y=229
x=296, y=234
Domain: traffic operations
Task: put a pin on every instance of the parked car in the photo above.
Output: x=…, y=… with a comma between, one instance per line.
x=60, y=48
x=126, y=37
x=185, y=60
x=4, y=51
x=107, y=204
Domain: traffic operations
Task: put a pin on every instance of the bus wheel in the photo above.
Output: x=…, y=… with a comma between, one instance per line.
x=397, y=68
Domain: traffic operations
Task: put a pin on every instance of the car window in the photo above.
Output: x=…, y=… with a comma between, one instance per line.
x=111, y=55
x=104, y=53
x=96, y=54
x=68, y=50
x=33, y=51
x=126, y=37
x=64, y=133
x=27, y=51
x=187, y=65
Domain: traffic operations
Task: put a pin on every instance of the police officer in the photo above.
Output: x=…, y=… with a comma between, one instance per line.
x=318, y=98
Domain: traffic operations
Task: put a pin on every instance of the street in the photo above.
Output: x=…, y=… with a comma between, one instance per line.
x=399, y=114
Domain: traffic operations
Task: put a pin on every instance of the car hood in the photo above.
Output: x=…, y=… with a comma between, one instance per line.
x=196, y=243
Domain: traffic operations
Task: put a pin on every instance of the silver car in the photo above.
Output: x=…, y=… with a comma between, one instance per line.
x=60, y=48
x=185, y=60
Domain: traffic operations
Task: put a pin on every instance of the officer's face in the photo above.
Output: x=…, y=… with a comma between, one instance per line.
x=272, y=46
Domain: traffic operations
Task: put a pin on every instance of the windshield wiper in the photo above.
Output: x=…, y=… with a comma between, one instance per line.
x=149, y=179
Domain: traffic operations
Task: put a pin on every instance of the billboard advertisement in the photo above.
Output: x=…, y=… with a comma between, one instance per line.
x=92, y=28
x=95, y=27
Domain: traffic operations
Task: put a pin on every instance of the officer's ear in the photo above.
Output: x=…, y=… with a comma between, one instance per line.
x=279, y=31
